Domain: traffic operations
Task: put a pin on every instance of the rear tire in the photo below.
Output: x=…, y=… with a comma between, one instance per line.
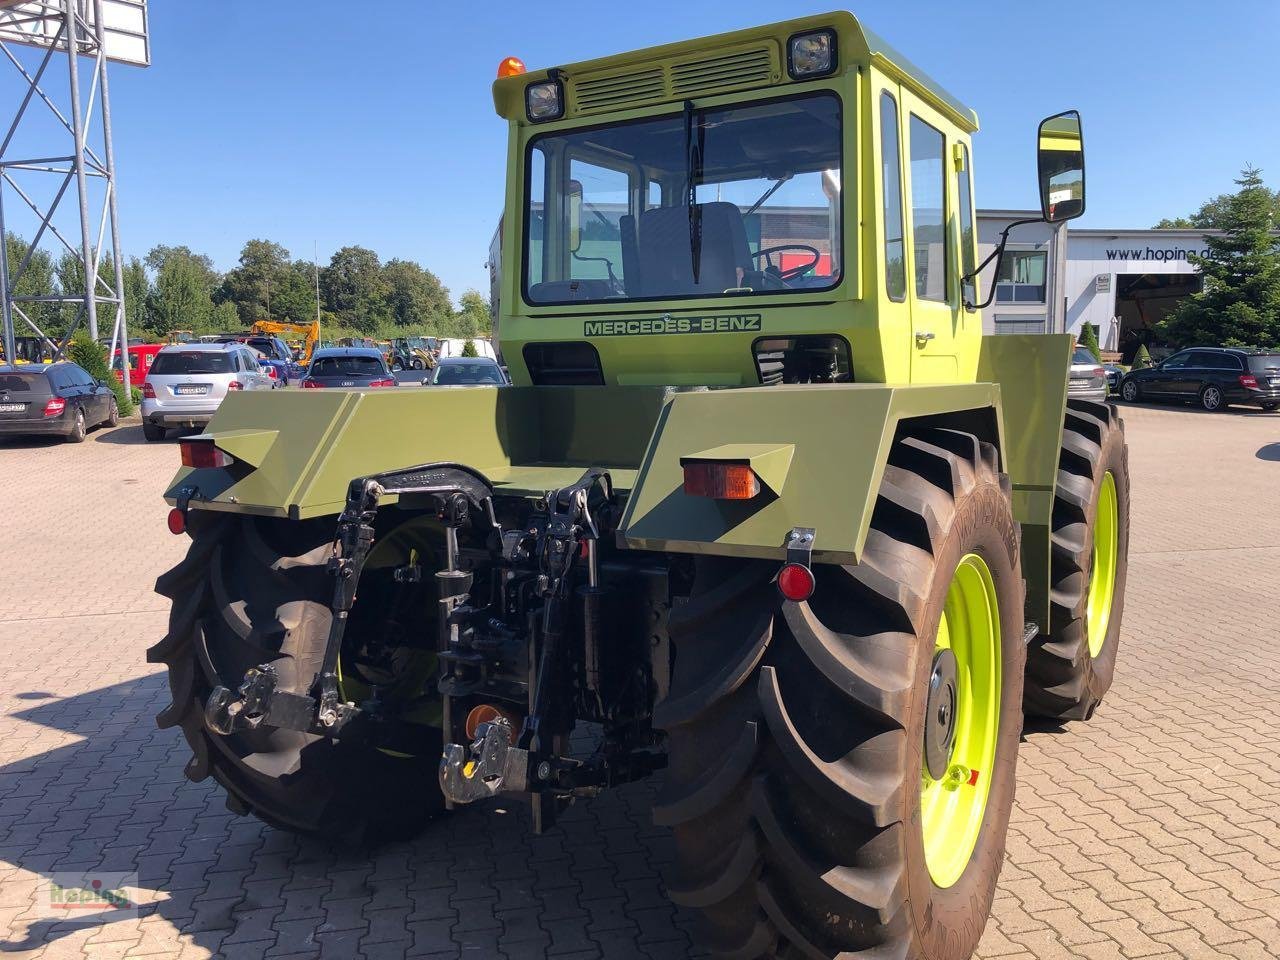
x=1270, y=406
x=152, y=432
x=1066, y=676
x=797, y=729
x=78, y=428
x=1211, y=399
x=113, y=414
x=256, y=591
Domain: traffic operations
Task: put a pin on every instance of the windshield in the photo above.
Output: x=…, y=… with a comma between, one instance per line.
x=468, y=373
x=347, y=367
x=177, y=364
x=609, y=216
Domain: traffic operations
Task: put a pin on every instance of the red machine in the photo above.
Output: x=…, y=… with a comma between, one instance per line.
x=141, y=356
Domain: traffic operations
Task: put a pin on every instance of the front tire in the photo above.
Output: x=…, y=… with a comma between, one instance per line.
x=256, y=591
x=798, y=784
x=1130, y=392
x=1070, y=668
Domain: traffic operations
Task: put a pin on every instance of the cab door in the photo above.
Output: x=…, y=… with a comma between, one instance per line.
x=933, y=287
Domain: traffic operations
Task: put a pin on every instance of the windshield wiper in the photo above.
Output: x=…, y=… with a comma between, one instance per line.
x=767, y=194
x=692, y=171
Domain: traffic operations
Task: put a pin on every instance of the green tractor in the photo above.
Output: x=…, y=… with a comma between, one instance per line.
x=763, y=508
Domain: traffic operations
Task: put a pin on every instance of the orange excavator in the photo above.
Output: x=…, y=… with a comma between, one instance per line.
x=310, y=332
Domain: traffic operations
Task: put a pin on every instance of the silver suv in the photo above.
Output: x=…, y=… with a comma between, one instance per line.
x=187, y=382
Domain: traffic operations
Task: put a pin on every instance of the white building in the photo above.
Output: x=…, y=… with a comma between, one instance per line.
x=1056, y=279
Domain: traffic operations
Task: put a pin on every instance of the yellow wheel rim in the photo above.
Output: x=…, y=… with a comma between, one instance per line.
x=954, y=803
x=1102, y=568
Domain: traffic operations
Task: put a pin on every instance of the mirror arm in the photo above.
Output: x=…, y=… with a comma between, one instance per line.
x=997, y=255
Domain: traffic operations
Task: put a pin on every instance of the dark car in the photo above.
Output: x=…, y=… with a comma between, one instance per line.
x=1212, y=377
x=467, y=372
x=348, y=367
x=58, y=398
x=277, y=358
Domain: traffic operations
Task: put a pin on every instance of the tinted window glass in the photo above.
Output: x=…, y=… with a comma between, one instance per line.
x=1227, y=361
x=1265, y=364
x=1177, y=361
x=78, y=375
x=450, y=373
x=895, y=270
x=346, y=367
x=182, y=363
x=16, y=383
x=928, y=211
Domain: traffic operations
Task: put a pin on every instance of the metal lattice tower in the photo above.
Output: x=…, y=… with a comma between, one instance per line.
x=60, y=137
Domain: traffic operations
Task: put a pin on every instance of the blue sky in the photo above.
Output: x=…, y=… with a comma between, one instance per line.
x=312, y=123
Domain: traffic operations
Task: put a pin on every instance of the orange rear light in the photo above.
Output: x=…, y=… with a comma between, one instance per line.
x=202, y=453
x=720, y=481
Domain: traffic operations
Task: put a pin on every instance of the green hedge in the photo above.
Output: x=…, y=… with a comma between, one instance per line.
x=92, y=356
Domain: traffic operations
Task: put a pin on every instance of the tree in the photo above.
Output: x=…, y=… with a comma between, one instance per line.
x=416, y=296
x=254, y=285
x=137, y=288
x=1089, y=340
x=1213, y=213
x=1240, y=302
x=70, y=275
x=355, y=290
x=36, y=279
x=225, y=317
x=473, y=316
x=181, y=296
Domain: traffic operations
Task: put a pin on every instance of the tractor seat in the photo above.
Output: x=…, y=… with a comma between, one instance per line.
x=666, y=266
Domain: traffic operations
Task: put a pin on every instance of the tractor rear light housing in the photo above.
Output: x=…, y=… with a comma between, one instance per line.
x=177, y=521
x=811, y=54
x=720, y=480
x=203, y=454
x=54, y=407
x=1248, y=381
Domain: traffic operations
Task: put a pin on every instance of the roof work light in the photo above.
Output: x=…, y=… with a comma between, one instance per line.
x=544, y=101
x=811, y=55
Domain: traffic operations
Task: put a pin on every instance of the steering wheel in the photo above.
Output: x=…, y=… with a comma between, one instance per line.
x=791, y=272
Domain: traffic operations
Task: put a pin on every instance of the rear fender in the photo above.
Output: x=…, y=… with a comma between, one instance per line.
x=824, y=447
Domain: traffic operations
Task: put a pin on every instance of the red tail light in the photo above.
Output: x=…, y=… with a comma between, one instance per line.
x=148, y=391
x=1099, y=372
x=1248, y=381
x=720, y=481
x=385, y=382
x=177, y=521
x=235, y=385
x=310, y=384
x=54, y=407
x=272, y=372
x=202, y=453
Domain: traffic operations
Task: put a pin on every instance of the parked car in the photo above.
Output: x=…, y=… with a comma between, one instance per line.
x=1212, y=377
x=187, y=383
x=1115, y=373
x=55, y=398
x=275, y=354
x=1088, y=380
x=348, y=367
x=467, y=372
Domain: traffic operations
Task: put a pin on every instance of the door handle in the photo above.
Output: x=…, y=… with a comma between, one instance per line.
x=923, y=337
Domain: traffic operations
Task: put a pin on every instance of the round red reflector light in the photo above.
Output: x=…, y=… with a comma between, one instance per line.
x=177, y=521
x=795, y=582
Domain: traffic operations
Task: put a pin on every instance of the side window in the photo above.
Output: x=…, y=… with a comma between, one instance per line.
x=964, y=197
x=895, y=268
x=928, y=210
x=235, y=361
x=1178, y=361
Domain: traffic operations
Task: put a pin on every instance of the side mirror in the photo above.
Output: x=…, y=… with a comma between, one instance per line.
x=1060, y=162
x=575, y=215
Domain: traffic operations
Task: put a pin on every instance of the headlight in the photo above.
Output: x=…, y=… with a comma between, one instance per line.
x=544, y=101
x=811, y=54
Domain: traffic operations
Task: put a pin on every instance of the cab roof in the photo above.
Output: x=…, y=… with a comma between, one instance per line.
x=855, y=44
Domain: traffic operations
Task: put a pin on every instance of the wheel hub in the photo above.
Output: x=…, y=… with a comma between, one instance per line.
x=940, y=714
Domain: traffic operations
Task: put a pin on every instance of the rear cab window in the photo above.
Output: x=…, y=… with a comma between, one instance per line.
x=187, y=363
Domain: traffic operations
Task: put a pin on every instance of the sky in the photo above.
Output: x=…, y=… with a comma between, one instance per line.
x=322, y=123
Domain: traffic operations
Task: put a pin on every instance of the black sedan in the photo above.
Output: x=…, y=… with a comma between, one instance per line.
x=58, y=399
x=348, y=367
x=1211, y=377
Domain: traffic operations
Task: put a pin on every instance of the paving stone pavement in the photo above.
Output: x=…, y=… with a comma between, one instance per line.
x=1152, y=832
